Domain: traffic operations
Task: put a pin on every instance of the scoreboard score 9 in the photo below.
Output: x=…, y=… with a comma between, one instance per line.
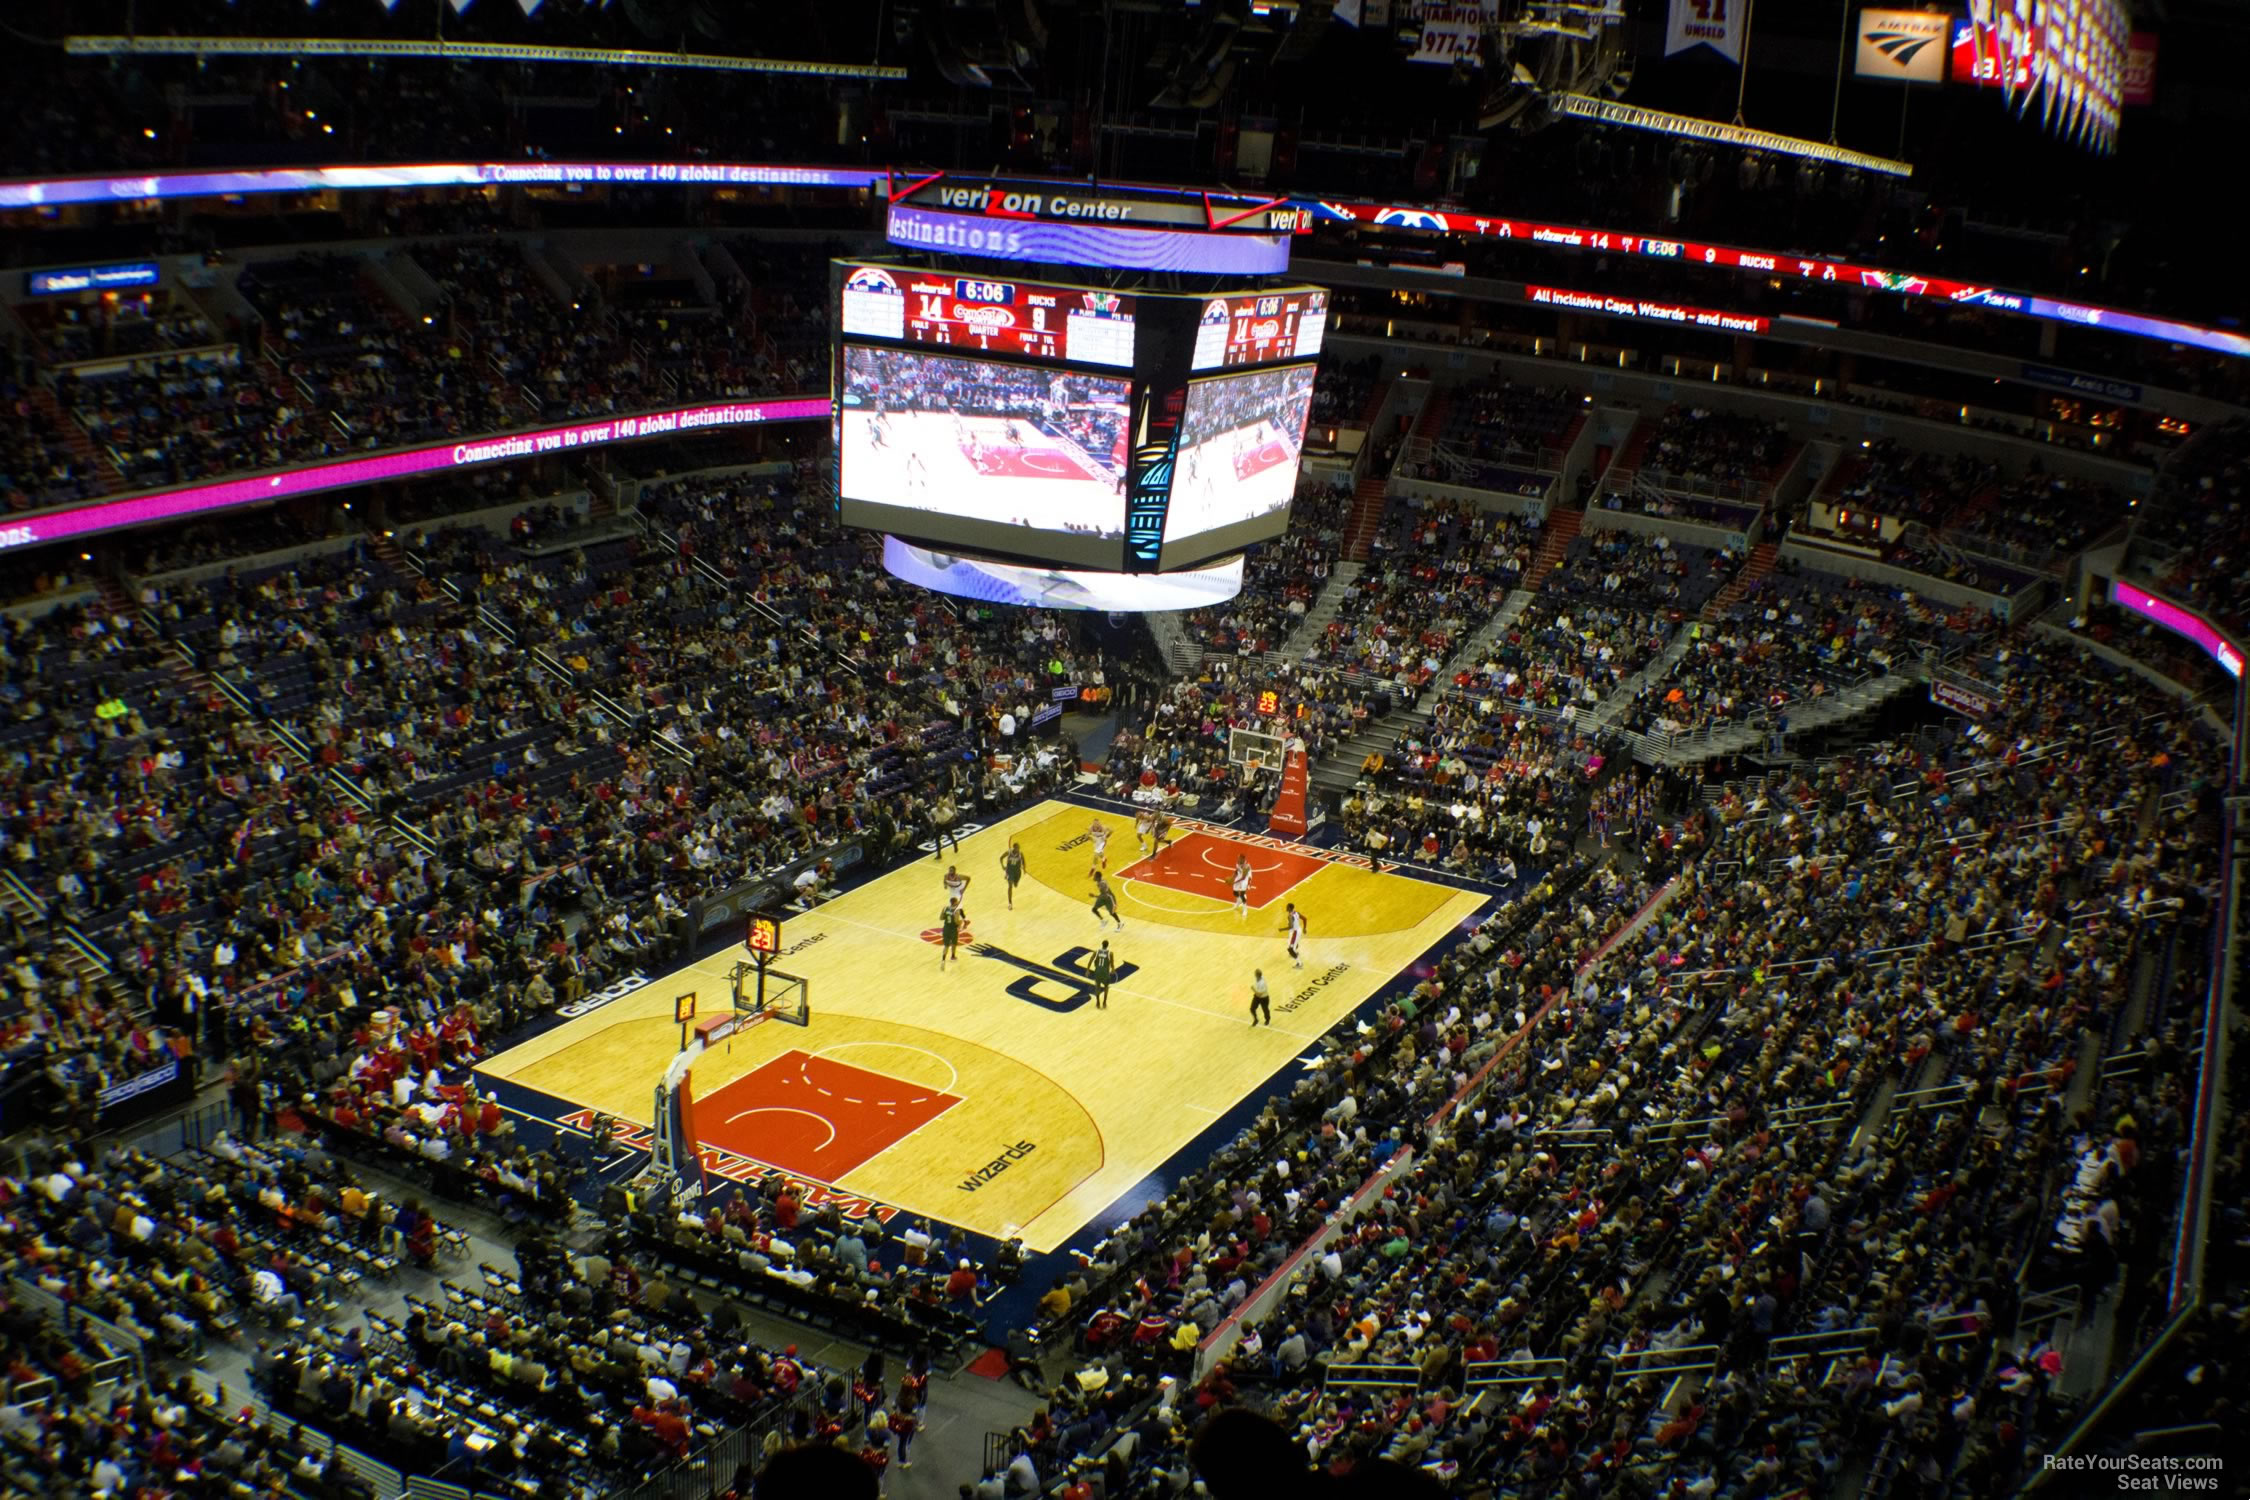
x=763, y=936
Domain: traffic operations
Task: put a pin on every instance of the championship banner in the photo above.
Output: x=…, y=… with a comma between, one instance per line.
x=2140, y=71
x=1446, y=31
x=1902, y=46
x=1717, y=24
x=2070, y=56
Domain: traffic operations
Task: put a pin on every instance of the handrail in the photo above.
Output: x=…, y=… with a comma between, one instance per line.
x=2070, y=1441
x=1371, y=1377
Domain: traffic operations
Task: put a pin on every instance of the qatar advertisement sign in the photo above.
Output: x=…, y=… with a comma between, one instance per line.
x=402, y=463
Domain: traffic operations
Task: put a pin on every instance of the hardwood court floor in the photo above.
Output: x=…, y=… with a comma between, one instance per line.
x=992, y=1093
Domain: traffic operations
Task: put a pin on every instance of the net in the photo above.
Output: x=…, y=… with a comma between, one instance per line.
x=1252, y=753
x=784, y=997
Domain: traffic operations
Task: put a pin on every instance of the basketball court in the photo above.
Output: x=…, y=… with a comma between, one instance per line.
x=993, y=1092
x=1233, y=476
x=986, y=468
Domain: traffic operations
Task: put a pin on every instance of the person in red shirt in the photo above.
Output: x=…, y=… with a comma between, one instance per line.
x=962, y=1284
x=904, y=1424
x=877, y=1456
x=785, y=1209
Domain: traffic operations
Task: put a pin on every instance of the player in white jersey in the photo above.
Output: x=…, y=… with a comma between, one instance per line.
x=1143, y=821
x=1296, y=935
x=956, y=886
x=1242, y=885
x=1098, y=831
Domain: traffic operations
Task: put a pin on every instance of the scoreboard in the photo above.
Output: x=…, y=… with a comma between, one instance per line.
x=762, y=934
x=1051, y=324
x=1055, y=426
x=1285, y=324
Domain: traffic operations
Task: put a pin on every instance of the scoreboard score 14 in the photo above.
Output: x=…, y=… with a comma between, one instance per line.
x=1052, y=324
x=1260, y=328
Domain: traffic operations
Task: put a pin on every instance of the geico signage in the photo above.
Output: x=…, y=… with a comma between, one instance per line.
x=601, y=997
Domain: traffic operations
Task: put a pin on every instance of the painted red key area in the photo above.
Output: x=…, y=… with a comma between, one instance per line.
x=814, y=1116
x=1203, y=865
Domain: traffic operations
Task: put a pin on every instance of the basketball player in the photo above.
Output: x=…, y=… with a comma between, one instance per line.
x=1242, y=885
x=949, y=929
x=917, y=472
x=1098, y=831
x=1011, y=870
x=956, y=887
x=1105, y=899
x=1296, y=935
x=1143, y=821
x=1160, y=829
x=1105, y=967
x=1261, y=998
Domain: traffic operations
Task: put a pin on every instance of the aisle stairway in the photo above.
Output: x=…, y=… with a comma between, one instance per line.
x=1366, y=517
x=1337, y=770
x=74, y=438
x=1554, y=541
x=1322, y=611
x=1613, y=708
x=1181, y=653
x=1759, y=565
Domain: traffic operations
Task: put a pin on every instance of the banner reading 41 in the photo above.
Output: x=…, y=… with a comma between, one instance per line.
x=1717, y=24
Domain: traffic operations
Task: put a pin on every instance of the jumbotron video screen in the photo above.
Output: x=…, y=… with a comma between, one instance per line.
x=974, y=452
x=1242, y=438
x=1042, y=424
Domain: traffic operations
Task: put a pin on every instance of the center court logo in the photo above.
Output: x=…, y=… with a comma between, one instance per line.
x=1061, y=986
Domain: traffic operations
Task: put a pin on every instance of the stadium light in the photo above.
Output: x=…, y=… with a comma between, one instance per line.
x=1634, y=117
x=316, y=46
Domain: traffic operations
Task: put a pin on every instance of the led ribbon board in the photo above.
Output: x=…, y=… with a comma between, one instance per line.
x=1230, y=253
x=223, y=494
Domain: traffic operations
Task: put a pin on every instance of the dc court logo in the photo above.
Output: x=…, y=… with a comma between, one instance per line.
x=1061, y=986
